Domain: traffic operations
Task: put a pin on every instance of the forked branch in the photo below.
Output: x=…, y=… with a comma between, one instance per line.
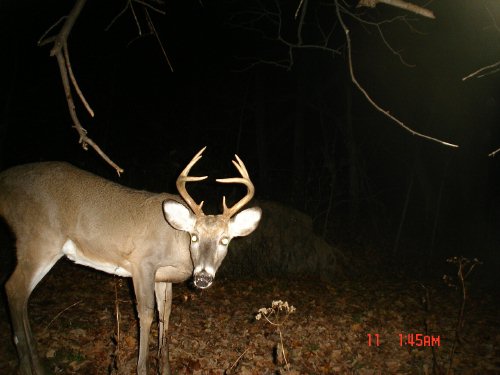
x=60, y=51
x=365, y=93
x=483, y=72
x=145, y=5
x=326, y=32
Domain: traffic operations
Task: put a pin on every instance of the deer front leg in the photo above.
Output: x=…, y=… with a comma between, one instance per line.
x=18, y=294
x=31, y=268
x=163, y=293
x=144, y=293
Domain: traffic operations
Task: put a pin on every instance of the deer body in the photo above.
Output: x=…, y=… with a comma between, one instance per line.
x=56, y=210
x=101, y=224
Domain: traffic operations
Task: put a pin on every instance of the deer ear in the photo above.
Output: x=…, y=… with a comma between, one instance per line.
x=178, y=215
x=245, y=222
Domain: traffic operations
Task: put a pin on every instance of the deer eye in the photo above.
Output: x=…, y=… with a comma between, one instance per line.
x=194, y=238
x=224, y=241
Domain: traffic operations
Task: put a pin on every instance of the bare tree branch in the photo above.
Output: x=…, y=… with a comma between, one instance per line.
x=299, y=8
x=390, y=48
x=378, y=25
x=488, y=69
x=273, y=19
x=132, y=10
x=60, y=51
x=146, y=5
x=303, y=4
x=398, y=4
x=365, y=93
x=261, y=18
x=153, y=30
x=484, y=71
x=493, y=18
x=75, y=82
x=46, y=40
x=130, y=5
x=494, y=152
x=115, y=18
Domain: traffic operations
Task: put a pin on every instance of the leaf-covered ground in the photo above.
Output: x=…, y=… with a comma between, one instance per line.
x=214, y=331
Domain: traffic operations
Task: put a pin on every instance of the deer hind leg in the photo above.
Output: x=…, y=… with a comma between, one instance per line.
x=27, y=274
x=163, y=292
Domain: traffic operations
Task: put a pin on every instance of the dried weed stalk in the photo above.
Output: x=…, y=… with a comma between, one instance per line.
x=277, y=315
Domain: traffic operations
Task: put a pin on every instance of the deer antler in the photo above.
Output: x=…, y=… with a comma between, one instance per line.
x=245, y=180
x=181, y=184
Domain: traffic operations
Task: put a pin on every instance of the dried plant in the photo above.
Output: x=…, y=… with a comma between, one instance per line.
x=464, y=268
x=277, y=315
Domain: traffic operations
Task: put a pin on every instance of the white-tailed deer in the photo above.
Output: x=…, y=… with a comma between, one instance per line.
x=55, y=209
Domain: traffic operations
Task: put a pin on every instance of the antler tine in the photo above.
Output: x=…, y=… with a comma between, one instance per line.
x=181, y=184
x=240, y=166
x=245, y=180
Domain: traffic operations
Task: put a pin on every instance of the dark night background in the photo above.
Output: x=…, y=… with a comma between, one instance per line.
x=359, y=215
x=308, y=137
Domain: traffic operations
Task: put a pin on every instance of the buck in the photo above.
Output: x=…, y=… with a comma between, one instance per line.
x=56, y=210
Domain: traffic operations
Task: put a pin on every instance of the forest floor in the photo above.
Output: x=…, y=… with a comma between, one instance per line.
x=215, y=331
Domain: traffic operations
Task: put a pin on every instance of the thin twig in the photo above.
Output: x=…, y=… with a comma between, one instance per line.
x=116, y=360
x=153, y=29
x=118, y=318
x=60, y=313
x=388, y=45
x=287, y=366
x=403, y=214
x=495, y=67
x=115, y=18
x=399, y=4
x=163, y=342
x=236, y=362
x=301, y=22
x=129, y=5
x=145, y=4
x=491, y=154
x=75, y=82
x=43, y=39
x=298, y=8
x=465, y=267
x=493, y=19
x=139, y=30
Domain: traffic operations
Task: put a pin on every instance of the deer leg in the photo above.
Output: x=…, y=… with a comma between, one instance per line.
x=27, y=274
x=163, y=292
x=144, y=293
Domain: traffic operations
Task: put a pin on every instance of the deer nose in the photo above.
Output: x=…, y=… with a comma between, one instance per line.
x=203, y=279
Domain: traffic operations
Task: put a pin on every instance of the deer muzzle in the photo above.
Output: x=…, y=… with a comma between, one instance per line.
x=203, y=279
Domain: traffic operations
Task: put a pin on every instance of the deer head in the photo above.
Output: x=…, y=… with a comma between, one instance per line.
x=210, y=235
